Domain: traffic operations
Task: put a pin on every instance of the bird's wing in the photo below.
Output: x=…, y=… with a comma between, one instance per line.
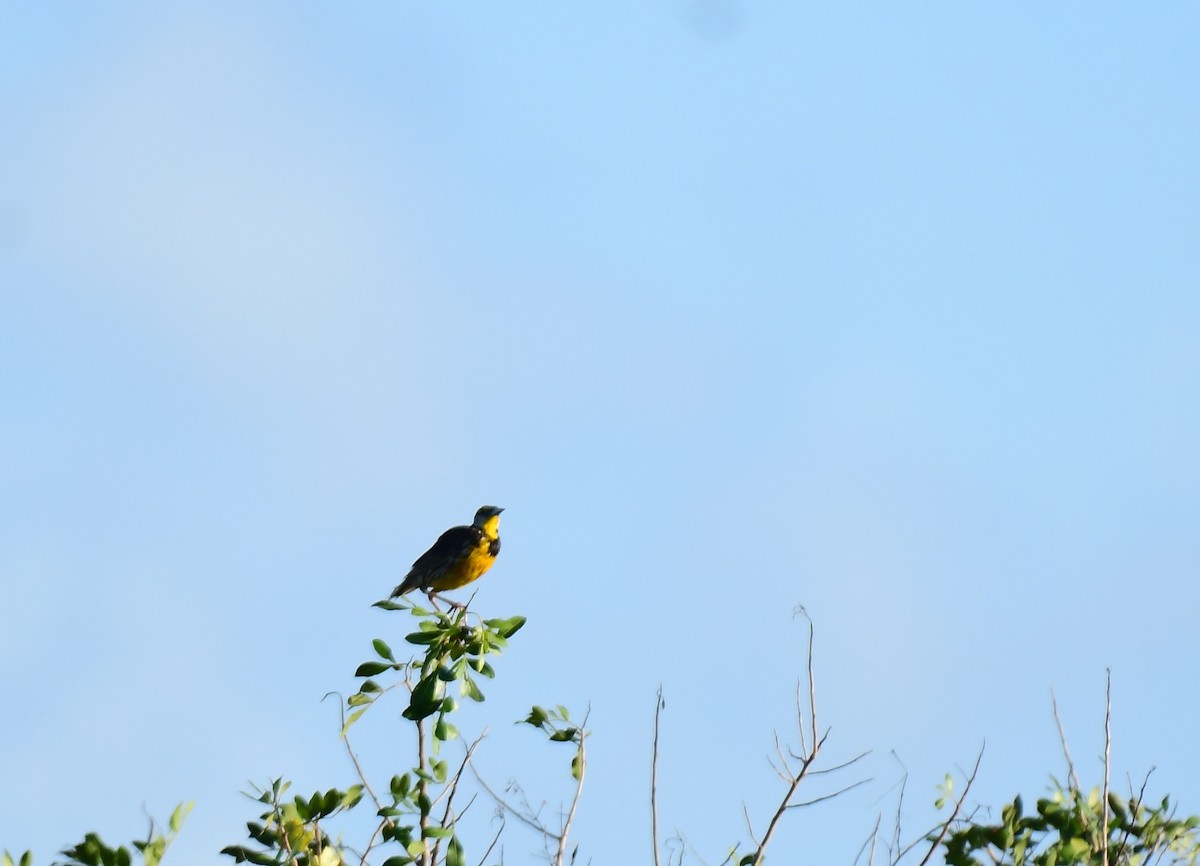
x=453, y=544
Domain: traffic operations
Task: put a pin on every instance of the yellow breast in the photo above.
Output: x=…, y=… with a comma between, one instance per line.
x=469, y=568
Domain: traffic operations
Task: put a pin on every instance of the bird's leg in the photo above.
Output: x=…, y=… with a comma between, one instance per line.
x=451, y=603
x=433, y=597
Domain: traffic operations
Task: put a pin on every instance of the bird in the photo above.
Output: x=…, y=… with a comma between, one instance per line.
x=460, y=556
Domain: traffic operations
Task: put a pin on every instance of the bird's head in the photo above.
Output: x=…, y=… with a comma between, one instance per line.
x=487, y=518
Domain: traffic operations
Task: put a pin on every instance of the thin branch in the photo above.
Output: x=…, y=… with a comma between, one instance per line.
x=800, y=717
x=451, y=788
x=840, y=766
x=582, y=758
x=812, y=691
x=658, y=706
x=954, y=814
x=362, y=777
x=423, y=789
x=1062, y=738
x=1107, y=759
x=894, y=845
x=903, y=852
x=809, y=758
x=869, y=841
x=452, y=785
x=495, y=839
x=531, y=822
x=685, y=846
x=783, y=763
x=822, y=799
x=749, y=825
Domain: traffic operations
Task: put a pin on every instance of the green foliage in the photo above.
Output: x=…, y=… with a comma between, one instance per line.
x=556, y=724
x=289, y=831
x=416, y=819
x=93, y=852
x=1068, y=827
x=25, y=859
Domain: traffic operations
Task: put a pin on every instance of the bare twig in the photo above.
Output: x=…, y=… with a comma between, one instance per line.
x=894, y=844
x=1107, y=761
x=423, y=790
x=800, y=716
x=1062, y=738
x=749, y=824
x=495, y=839
x=869, y=842
x=451, y=788
x=349, y=751
x=810, y=755
x=581, y=757
x=658, y=706
x=840, y=766
x=784, y=770
x=362, y=777
x=825, y=797
x=531, y=820
x=686, y=846
x=954, y=814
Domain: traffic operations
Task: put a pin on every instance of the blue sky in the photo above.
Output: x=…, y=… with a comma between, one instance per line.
x=887, y=311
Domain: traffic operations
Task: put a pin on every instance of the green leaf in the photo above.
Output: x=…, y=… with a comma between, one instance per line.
x=241, y=854
x=576, y=767
x=423, y=637
x=352, y=718
x=444, y=731
x=352, y=796
x=506, y=627
x=1118, y=807
x=566, y=735
x=400, y=786
x=1076, y=848
x=455, y=855
x=384, y=651
x=426, y=699
x=399, y=860
x=370, y=669
x=468, y=688
x=562, y=711
x=179, y=815
x=416, y=847
x=537, y=717
x=437, y=832
x=388, y=604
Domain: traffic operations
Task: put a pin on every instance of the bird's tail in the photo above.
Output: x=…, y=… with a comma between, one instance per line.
x=407, y=585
